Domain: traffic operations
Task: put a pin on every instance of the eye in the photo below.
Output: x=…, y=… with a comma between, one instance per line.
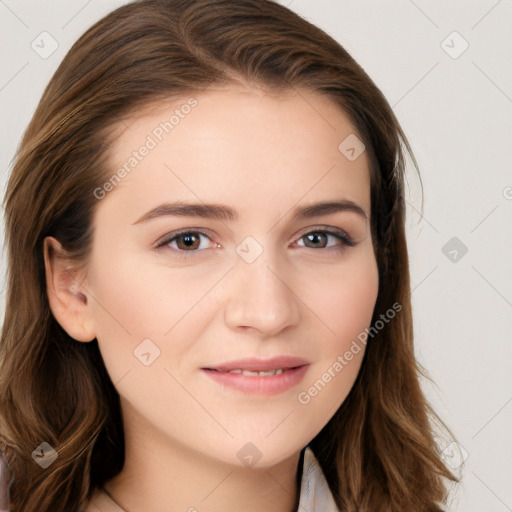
x=184, y=241
x=321, y=236
x=189, y=240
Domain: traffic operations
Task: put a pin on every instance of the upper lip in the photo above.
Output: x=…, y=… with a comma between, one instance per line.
x=254, y=364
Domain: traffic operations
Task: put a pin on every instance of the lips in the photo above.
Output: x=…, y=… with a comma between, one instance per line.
x=264, y=377
x=260, y=365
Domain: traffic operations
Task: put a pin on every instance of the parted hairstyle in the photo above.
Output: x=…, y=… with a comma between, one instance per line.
x=379, y=450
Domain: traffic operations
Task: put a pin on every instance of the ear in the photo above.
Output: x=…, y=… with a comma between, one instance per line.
x=68, y=298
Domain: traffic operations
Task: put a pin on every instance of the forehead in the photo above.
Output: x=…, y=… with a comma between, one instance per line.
x=259, y=149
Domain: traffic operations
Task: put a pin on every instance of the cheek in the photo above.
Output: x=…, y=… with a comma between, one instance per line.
x=353, y=305
x=136, y=300
x=343, y=299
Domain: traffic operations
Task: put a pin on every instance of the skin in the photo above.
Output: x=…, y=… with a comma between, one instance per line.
x=264, y=155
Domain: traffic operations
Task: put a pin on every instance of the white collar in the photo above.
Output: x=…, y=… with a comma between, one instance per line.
x=315, y=495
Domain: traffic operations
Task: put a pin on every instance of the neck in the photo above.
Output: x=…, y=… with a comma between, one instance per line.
x=270, y=490
x=160, y=475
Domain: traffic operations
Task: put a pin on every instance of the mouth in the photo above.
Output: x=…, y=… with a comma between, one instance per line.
x=259, y=377
x=256, y=373
x=252, y=364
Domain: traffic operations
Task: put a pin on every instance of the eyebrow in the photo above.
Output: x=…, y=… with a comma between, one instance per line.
x=222, y=212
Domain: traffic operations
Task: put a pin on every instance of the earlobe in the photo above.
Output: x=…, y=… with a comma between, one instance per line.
x=67, y=297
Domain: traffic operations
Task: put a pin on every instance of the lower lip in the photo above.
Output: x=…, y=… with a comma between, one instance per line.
x=268, y=386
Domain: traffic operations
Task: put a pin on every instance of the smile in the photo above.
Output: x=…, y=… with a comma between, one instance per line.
x=267, y=382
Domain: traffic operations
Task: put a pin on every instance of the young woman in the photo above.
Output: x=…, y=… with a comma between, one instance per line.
x=208, y=301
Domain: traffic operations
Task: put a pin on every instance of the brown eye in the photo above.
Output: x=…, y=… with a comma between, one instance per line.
x=316, y=238
x=319, y=239
x=189, y=241
x=186, y=241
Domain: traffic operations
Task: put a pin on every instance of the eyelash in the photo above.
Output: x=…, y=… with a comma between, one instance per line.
x=345, y=240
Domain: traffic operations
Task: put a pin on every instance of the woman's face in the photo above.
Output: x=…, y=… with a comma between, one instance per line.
x=251, y=279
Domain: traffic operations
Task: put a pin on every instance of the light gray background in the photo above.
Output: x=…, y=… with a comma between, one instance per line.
x=457, y=113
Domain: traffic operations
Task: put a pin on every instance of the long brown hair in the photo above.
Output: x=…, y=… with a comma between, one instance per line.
x=378, y=451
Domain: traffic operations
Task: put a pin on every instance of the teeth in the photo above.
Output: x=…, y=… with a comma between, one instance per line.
x=258, y=374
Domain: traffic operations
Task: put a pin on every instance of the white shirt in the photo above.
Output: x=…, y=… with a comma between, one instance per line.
x=315, y=495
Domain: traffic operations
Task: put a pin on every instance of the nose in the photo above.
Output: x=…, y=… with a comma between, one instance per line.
x=261, y=297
